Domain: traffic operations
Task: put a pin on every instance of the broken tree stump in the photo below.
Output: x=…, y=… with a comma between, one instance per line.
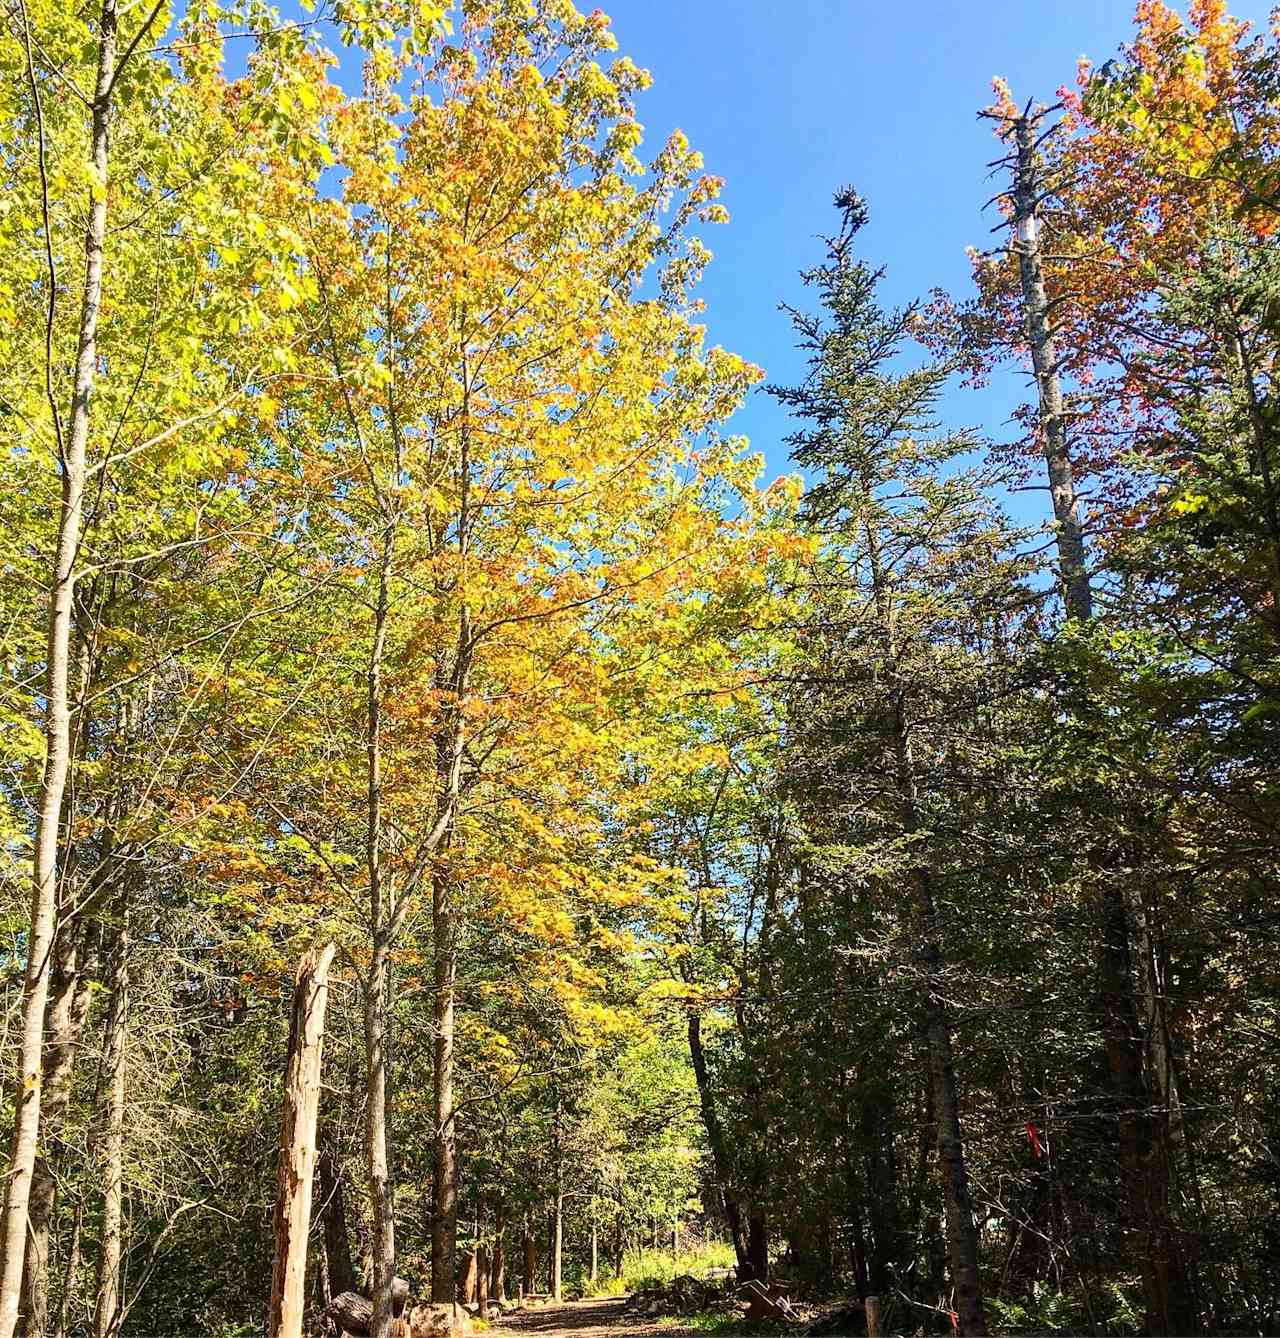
x=298, y=1143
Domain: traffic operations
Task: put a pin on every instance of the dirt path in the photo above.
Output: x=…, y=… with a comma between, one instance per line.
x=588, y=1319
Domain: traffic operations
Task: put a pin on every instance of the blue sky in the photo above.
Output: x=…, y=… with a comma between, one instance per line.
x=789, y=101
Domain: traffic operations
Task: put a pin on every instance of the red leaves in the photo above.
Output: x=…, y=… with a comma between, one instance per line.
x=1033, y=1137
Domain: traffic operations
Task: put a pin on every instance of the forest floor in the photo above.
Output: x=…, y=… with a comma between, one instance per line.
x=590, y=1319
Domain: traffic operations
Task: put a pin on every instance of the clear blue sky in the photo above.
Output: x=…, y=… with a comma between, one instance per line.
x=788, y=101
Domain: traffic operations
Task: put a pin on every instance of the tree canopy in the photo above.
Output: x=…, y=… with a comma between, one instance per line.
x=868, y=872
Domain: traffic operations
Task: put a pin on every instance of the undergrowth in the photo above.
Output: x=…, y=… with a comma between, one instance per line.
x=642, y=1269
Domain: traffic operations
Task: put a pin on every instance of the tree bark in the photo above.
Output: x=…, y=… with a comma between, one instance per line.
x=1072, y=564
x=67, y=1010
x=444, y=1187
x=70, y=1271
x=383, y=1242
x=333, y=1213
x=962, y=1235
x=445, y=914
x=57, y=727
x=498, y=1278
x=107, y=1309
x=467, y=1278
x=555, y=1263
x=378, y=981
x=887, y=1246
x=757, y=1245
x=530, y=1244
x=483, y=1264
x=557, y=1210
x=1169, y=1308
x=298, y=1143
x=718, y=1144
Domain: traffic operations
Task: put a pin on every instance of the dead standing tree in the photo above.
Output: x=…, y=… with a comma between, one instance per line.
x=1136, y=1092
x=298, y=1143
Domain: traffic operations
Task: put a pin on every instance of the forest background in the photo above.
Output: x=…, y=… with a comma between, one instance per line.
x=862, y=857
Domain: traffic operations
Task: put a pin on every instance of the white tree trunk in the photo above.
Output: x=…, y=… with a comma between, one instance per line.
x=57, y=729
x=1044, y=360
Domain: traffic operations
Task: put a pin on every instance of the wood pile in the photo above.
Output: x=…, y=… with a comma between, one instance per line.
x=768, y=1301
x=685, y=1295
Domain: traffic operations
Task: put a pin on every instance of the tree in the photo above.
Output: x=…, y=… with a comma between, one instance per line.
x=915, y=551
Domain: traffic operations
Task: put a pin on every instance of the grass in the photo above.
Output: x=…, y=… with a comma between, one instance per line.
x=727, y=1324
x=656, y=1268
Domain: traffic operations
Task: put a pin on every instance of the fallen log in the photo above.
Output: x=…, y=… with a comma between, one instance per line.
x=353, y=1313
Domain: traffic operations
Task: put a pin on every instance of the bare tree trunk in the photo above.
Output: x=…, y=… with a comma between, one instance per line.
x=383, y=1236
x=445, y=915
x=298, y=1143
x=498, y=1279
x=757, y=1244
x=377, y=983
x=557, y=1247
x=107, y=1309
x=1170, y=1307
x=718, y=1144
x=333, y=1213
x=57, y=728
x=467, y=1279
x=887, y=1246
x=1165, y=1285
x=70, y=1271
x=68, y=1007
x=557, y=1211
x=530, y=1243
x=483, y=1264
x=962, y=1235
x=1044, y=360
x=595, y=1248
x=444, y=1188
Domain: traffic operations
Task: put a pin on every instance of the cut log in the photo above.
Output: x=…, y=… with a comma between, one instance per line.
x=353, y=1313
x=438, y=1320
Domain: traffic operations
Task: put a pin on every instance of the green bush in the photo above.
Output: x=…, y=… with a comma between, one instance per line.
x=655, y=1268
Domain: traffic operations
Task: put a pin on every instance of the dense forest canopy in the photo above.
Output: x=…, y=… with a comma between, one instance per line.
x=864, y=877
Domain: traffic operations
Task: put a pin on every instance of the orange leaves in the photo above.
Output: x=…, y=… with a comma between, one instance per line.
x=490, y=437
